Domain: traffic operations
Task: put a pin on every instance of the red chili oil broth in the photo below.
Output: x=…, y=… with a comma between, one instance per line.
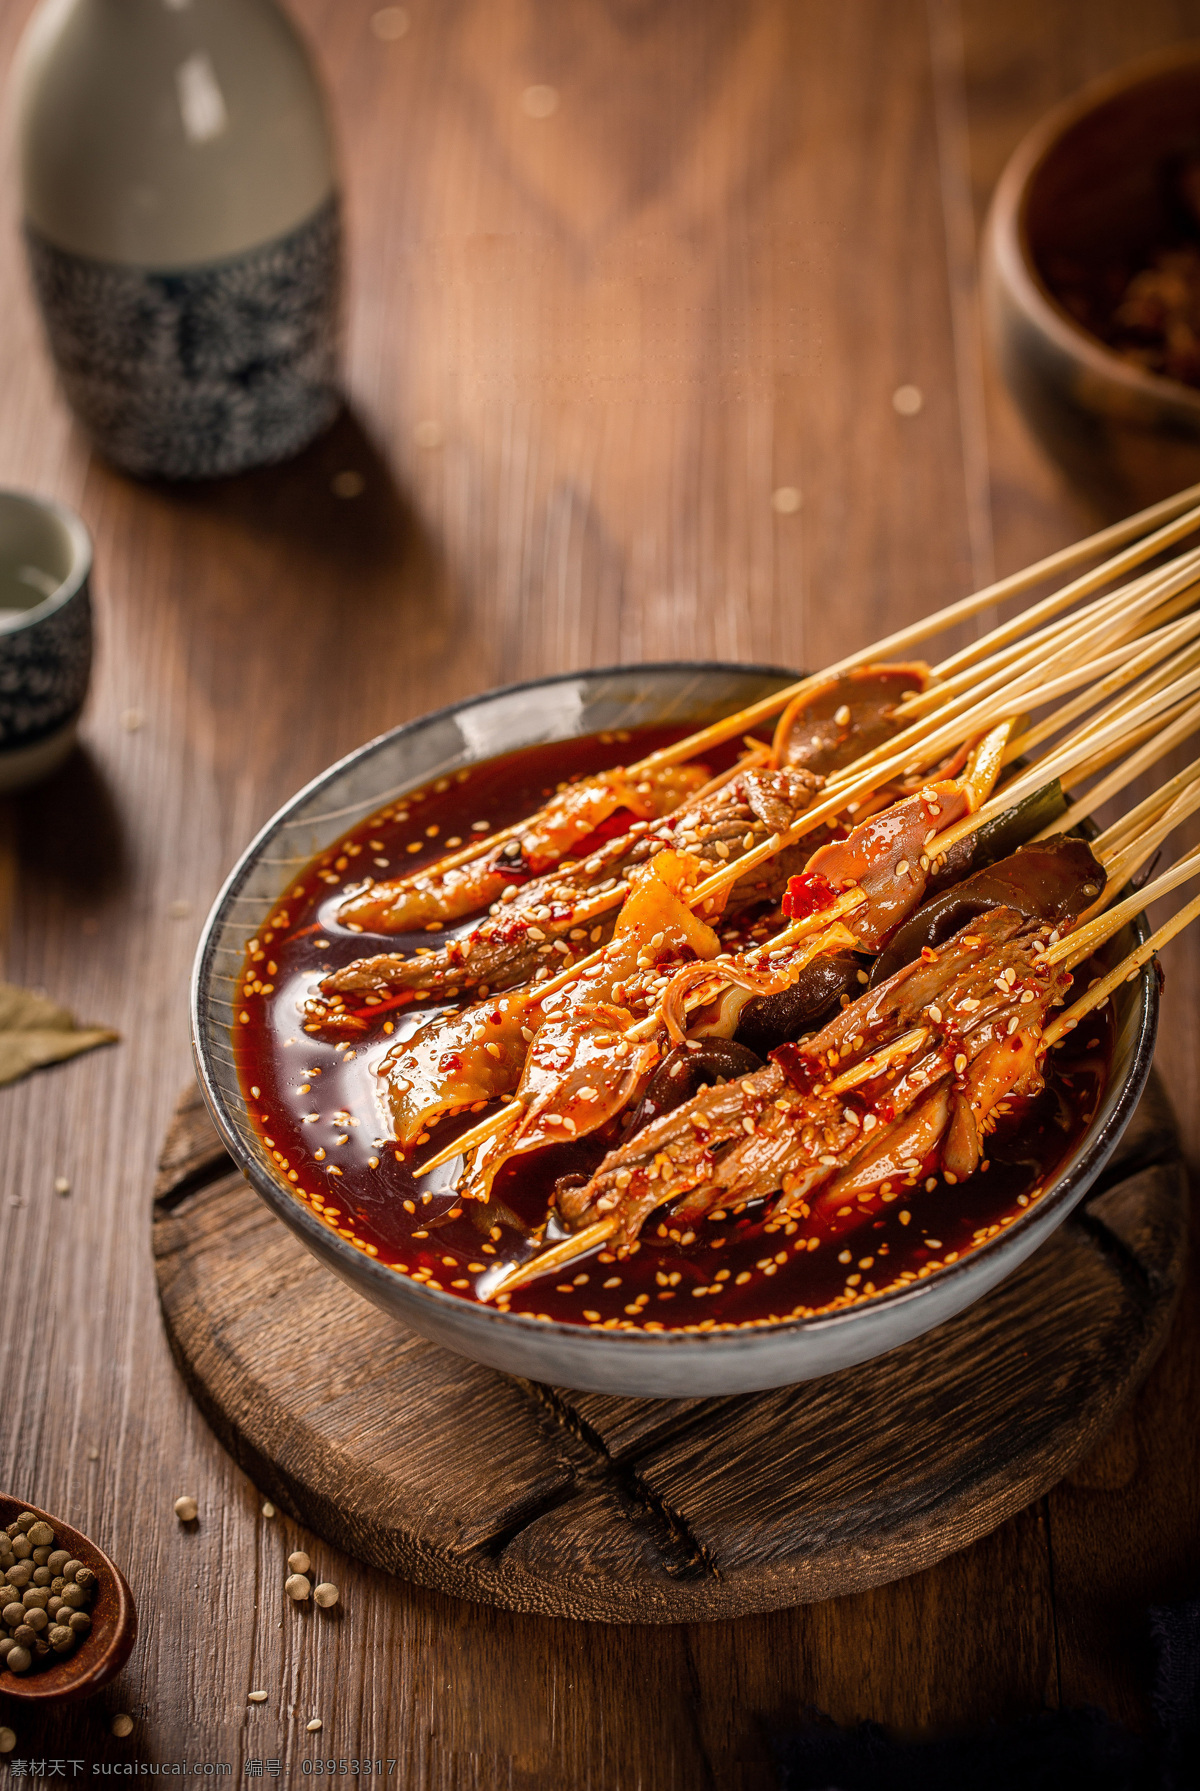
x=306, y=1091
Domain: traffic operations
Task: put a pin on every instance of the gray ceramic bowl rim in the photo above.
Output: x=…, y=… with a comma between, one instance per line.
x=357, y=1267
x=81, y=551
x=1008, y=232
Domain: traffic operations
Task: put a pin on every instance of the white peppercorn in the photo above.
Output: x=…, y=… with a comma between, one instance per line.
x=186, y=1508
x=299, y=1561
x=122, y=1725
x=297, y=1587
x=42, y=1611
x=325, y=1594
x=8, y=1740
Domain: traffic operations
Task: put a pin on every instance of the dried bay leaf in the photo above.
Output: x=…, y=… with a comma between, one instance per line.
x=35, y=1031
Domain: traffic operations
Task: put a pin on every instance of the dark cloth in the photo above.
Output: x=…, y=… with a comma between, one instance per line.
x=1056, y=1750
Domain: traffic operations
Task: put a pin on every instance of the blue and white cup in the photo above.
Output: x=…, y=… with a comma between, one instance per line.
x=45, y=634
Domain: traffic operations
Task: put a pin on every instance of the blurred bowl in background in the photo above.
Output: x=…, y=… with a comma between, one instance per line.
x=1090, y=188
x=45, y=634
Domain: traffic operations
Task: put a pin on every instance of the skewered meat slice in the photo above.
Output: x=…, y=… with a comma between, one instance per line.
x=850, y=716
x=968, y=1016
x=1054, y=880
x=565, y=1055
x=511, y=945
x=888, y=857
x=581, y=1069
x=672, y=1154
x=453, y=1061
x=402, y=904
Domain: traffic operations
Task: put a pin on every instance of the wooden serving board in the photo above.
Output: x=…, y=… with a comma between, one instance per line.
x=637, y=1510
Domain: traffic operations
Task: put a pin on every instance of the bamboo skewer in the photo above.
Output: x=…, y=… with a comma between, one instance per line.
x=553, y=1258
x=1115, y=618
x=1141, y=735
x=1160, y=742
x=988, y=756
x=1125, y=862
x=1129, y=966
x=1180, y=514
x=1144, y=549
x=1117, y=614
x=1118, y=836
x=905, y=1046
x=1155, y=648
x=1035, y=683
x=1083, y=747
x=472, y=1139
x=1079, y=944
x=1159, y=528
x=930, y=739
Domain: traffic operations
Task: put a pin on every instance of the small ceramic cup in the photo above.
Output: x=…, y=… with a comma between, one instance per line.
x=45, y=634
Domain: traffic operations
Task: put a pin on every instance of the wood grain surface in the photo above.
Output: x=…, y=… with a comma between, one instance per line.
x=648, y=1510
x=582, y=352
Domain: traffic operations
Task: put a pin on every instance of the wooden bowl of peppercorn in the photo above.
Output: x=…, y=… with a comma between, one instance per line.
x=1091, y=278
x=105, y=1648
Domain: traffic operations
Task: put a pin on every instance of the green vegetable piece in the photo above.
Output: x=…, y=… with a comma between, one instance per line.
x=997, y=838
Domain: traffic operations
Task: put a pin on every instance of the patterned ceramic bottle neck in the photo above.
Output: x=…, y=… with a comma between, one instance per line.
x=168, y=133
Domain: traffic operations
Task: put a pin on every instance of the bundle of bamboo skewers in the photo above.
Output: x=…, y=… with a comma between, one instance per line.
x=1085, y=691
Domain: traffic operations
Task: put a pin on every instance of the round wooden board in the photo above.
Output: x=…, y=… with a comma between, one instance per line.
x=637, y=1510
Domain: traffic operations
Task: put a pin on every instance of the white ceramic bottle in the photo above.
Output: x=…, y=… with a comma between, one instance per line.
x=182, y=222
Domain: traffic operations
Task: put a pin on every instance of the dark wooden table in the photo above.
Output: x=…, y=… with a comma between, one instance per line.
x=583, y=352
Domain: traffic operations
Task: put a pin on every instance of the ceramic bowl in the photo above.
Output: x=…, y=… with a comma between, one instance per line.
x=109, y=1642
x=1087, y=183
x=45, y=634
x=668, y=1364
